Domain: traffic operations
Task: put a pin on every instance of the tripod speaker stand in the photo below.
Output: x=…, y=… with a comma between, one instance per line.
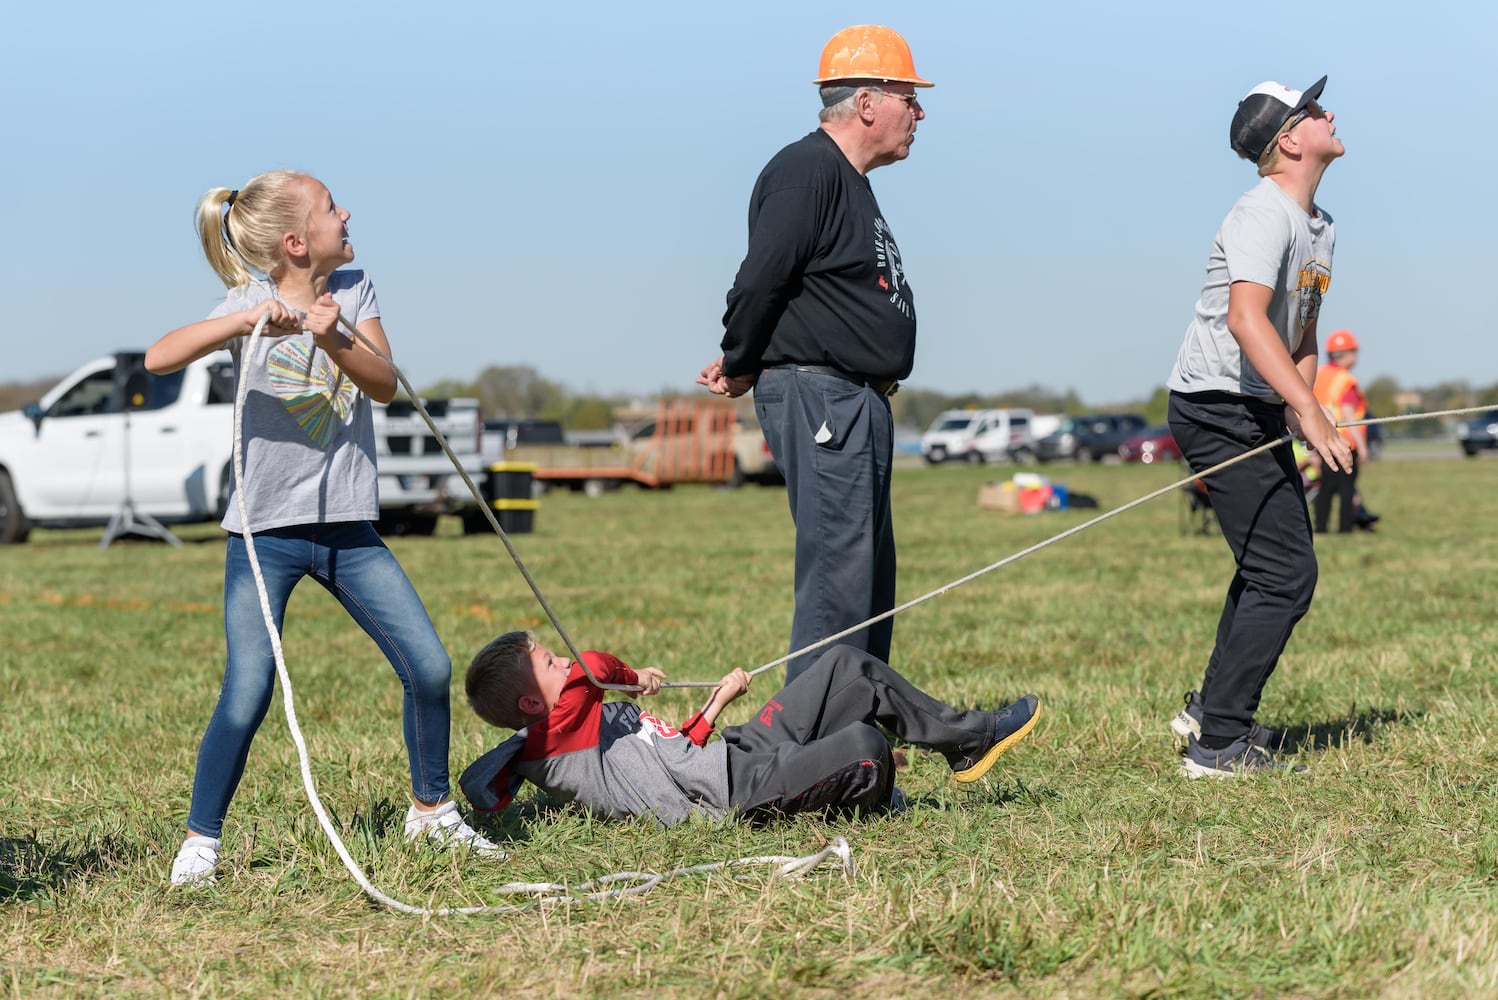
x=127, y=520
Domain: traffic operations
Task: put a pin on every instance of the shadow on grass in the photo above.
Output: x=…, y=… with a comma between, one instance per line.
x=1355, y=726
x=385, y=818
x=987, y=793
x=30, y=869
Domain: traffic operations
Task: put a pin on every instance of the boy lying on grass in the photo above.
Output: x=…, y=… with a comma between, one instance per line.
x=814, y=746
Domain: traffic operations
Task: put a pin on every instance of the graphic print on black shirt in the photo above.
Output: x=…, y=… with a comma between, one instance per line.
x=887, y=255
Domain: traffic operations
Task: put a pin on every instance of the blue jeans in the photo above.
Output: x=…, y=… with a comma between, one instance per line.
x=351, y=562
x=834, y=443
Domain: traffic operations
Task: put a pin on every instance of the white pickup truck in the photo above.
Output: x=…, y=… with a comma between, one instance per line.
x=76, y=455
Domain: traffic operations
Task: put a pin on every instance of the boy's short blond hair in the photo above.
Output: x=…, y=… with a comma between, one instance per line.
x=1269, y=160
x=499, y=676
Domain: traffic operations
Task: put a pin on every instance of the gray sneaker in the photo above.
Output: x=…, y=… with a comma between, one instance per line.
x=1188, y=723
x=1238, y=759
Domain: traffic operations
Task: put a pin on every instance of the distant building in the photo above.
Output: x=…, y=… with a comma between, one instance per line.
x=1409, y=401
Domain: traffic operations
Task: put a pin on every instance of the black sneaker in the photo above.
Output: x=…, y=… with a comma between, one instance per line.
x=1188, y=723
x=1238, y=759
x=1010, y=725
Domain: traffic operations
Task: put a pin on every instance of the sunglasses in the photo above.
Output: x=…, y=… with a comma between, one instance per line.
x=1308, y=111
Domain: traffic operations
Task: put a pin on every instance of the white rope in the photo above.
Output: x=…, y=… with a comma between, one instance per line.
x=828, y=640
x=545, y=892
x=594, y=890
x=1075, y=530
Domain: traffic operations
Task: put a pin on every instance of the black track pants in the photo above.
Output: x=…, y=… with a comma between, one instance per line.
x=815, y=745
x=1261, y=509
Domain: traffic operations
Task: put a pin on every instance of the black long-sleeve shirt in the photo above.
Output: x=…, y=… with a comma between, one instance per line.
x=822, y=283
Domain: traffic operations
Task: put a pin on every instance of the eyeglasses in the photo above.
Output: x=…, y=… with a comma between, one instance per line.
x=909, y=100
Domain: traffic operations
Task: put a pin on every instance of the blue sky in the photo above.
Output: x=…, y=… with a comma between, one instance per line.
x=565, y=185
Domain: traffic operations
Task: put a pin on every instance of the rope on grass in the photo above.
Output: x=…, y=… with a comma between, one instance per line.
x=594, y=890
x=599, y=889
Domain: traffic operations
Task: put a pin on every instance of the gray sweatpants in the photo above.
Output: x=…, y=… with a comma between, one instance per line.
x=816, y=745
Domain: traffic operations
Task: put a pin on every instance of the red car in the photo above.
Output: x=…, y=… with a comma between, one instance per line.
x=1153, y=444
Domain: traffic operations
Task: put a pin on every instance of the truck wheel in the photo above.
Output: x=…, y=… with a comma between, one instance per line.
x=936, y=455
x=13, y=524
x=1470, y=450
x=974, y=457
x=422, y=525
x=594, y=488
x=1022, y=456
x=406, y=523
x=1082, y=455
x=474, y=522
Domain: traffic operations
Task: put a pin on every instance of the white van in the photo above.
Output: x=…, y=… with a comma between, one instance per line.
x=976, y=436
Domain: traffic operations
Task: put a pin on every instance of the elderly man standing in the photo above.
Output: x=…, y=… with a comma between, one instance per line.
x=821, y=324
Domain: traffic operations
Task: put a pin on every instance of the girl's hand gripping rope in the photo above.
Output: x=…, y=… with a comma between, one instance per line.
x=322, y=320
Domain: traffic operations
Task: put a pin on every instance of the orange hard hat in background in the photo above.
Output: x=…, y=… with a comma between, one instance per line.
x=1341, y=340
x=868, y=52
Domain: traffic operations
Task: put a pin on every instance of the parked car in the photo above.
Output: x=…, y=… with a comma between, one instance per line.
x=976, y=436
x=1153, y=444
x=1478, y=434
x=1089, y=437
x=112, y=434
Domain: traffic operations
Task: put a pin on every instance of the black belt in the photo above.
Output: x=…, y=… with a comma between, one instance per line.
x=883, y=386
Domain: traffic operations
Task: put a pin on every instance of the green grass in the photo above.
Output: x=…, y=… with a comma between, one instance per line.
x=1083, y=866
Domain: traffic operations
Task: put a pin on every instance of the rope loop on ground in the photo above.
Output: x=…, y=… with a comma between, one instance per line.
x=547, y=893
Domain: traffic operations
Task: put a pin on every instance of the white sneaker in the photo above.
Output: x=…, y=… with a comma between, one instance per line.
x=1188, y=722
x=444, y=827
x=195, y=861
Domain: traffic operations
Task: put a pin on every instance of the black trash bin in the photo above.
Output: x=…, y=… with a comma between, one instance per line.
x=507, y=488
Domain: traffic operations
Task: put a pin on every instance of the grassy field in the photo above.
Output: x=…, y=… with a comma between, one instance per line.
x=1083, y=866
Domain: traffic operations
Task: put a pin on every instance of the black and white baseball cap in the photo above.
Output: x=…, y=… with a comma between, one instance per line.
x=1264, y=112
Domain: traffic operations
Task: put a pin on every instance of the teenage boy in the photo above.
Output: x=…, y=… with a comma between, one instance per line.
x=812, y=747
x=1242, y=377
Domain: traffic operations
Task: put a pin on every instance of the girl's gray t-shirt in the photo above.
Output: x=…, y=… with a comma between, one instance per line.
x=308, y=437
x=1266, y=239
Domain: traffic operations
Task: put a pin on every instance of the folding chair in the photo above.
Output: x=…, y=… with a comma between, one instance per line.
x=1197, y=516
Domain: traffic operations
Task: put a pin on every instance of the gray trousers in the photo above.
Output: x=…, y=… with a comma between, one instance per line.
x=817, y=746
x=834, y=442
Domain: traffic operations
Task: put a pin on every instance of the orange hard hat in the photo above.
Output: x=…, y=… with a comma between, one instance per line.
x=1341, y=340
x=868, y=52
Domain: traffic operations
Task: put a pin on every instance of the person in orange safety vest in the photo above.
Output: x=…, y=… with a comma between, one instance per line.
x=1337, y=389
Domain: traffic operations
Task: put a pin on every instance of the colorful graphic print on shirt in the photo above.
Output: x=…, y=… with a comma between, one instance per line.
x=1311, y=283
x=315, y=391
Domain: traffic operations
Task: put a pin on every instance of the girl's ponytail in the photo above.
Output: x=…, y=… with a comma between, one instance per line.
x=241, y=230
